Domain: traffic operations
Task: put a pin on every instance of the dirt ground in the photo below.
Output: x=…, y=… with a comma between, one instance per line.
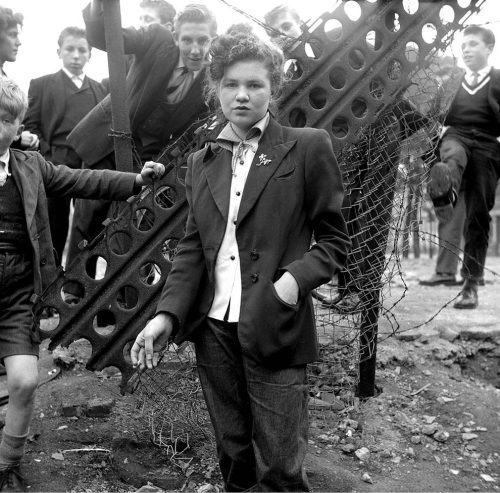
x=435, y=426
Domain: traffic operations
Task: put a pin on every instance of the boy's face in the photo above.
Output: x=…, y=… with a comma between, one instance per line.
x=288, y=26
x=475, y=52
x=74, y=53
x=9, y=44
x=149, y=15
x=10, y=129
x=193, y=40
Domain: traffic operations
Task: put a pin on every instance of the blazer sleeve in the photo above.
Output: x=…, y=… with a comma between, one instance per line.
x=60, y=181
x=33, y=118
x=184, y=280
x=135, y=41
x=324, y=193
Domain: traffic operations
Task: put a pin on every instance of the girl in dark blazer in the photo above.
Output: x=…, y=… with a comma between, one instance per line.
x=240, y=284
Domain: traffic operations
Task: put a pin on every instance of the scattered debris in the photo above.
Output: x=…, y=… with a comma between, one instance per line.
x=366, y=478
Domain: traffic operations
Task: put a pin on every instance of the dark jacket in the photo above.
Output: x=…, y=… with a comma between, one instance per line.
x=155, y=58
x=47, y=106
x=297, y=194
x=37, y=179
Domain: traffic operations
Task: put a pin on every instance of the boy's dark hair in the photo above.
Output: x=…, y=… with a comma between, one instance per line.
x=197, y=13
x=76, y=32
x=241, y=44
x=165, y=11
x=9, y=19
x=282, y=9
x=484, y=32
x=12, y=98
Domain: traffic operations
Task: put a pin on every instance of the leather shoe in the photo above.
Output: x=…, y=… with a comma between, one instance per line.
x=439, y=278
x=11, y=479
x=468, y=298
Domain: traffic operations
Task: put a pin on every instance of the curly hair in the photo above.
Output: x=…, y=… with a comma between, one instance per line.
x=9, y=19
x=241, y=44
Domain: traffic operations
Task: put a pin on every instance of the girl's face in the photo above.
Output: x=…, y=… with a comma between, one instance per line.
x=244, y=93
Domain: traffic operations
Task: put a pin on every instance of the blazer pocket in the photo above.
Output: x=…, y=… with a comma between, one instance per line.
x=285, y=172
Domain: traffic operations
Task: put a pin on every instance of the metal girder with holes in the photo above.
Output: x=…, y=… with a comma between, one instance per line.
x=346, y=73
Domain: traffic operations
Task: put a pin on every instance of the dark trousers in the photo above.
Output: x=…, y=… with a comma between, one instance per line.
x=59, y=207
x=88, y=216
x=259, y=414
x=482, y=172
x=450, y=237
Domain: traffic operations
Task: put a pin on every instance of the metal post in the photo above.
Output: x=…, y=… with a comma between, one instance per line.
x=117, y=83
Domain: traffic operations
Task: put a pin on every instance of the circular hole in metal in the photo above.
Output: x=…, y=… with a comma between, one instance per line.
x=72, y=292
x=446, y=14
x=352, y=10
x=96, y=266
x=359, y=108
x=293, y=69
x=104, y=323
x=333, y=29
x=376, y=89
x=314, y=48
x=166, y=197
x=49, y=319
x=429, y=33
x=169, y=248
x=394, y=68
x=337, y=78
x=410, y=6
x=143, y=219
x=411, y=51
x=318, y=98
x=149, y=273
x=297, y=118
x=373, y=40
x=356, y=59
x=120, y=242
x=340, y=127
x=392, y=21
x=126, y=352
x=127, y=297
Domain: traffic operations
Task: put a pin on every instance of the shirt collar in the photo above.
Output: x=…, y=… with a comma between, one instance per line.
x=73, y=76
x=481, y=73
x=180, y=65
x=228, y=136
x=5, y=158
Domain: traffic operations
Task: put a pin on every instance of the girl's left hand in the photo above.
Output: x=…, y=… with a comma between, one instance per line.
x=287, y=288
x=150, y=171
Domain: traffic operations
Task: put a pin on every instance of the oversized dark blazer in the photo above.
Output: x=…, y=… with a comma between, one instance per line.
x=493, y=93
x=298, y=193
x=38, y=179
x=47, y=106
x=155, y=57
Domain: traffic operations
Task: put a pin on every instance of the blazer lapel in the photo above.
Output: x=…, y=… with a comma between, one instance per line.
x=272, y=148
x=217, y=164
x=27, y=181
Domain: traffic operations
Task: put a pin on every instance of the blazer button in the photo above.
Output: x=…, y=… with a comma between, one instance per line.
x=254, y=255
x=43, y=261
x=254, y=278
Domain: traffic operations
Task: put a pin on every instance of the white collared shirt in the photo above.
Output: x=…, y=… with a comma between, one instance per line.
x=469, y=74
x=227, y=265
x=4, y=166
x=76, y=79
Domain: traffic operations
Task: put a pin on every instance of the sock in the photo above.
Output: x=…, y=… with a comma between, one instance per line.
x=11, y=449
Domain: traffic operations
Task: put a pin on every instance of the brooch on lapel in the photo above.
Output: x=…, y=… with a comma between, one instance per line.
x=263, y=161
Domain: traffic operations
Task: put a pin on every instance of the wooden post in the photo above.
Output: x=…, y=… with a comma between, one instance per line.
x=117, y=85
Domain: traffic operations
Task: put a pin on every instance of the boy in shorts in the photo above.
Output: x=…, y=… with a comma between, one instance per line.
x=27, y=263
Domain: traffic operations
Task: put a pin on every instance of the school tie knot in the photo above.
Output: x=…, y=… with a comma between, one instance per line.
x=474, y=79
